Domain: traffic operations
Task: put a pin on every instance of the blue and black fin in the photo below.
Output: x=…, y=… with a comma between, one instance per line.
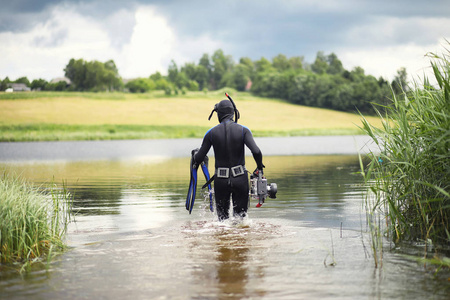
x=190, y=199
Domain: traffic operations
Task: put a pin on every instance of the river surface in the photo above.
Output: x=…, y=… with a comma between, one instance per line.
x=133, y=238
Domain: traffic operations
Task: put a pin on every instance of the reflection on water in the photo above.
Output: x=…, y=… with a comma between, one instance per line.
x=133, y=238
x=94, y=200
x=233, y=256
x=231, y=271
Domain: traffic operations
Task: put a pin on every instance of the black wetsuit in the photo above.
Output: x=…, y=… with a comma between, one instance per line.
x=228, y=140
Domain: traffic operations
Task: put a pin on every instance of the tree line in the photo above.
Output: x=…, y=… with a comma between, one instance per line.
x=324, y=83
x=83, y=75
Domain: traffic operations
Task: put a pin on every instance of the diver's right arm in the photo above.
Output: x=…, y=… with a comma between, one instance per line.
x=206, y=145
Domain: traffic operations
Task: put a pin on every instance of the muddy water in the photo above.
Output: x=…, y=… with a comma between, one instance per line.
x=133, y=238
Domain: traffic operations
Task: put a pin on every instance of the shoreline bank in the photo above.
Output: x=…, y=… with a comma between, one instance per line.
x=128, y=149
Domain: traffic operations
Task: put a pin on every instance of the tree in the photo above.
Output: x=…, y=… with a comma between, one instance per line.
x=182, y=80
x=248, y=63
x=190, y=70
x=270, y=84
x=296, y=62
x=221, y=65
x=110, y=77
x=201, y=77
x=399, y=84
x=173, y=71
x=238, y=78
x=320, y=65
x=76, y=72
x=334, y=65
x=205, y=62
x=263, y=65
x=344, y=98
x=156, y=76
x=281, y=63
x=301, y=89
x=140, y=85
x=110, y=65
x=192, y=85
x=57, y=86
x=4, y=84
x=357, y=74
x=93, y=75
x=23, y=80
x=162, y=84
x=204, y=72
x=38, y=84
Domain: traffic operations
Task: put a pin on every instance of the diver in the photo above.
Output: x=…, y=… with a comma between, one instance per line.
x=230, y=179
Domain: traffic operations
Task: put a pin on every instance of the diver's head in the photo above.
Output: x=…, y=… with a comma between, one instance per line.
x=224, y=109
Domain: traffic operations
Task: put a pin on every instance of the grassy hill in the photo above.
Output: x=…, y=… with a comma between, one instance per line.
x=38, y=116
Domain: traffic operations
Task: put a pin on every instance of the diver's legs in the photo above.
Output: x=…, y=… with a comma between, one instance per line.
x=240, y=196
x=222, y=192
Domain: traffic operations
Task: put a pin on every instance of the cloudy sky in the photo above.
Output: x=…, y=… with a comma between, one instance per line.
x=38, y=38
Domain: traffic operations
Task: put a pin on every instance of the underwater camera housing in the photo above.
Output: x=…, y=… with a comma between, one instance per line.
x=260, y=190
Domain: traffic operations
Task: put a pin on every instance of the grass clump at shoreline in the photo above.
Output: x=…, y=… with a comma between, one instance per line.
x=32, y=224
x=409, y=187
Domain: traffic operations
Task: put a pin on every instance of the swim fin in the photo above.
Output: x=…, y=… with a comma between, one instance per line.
x=190, y=199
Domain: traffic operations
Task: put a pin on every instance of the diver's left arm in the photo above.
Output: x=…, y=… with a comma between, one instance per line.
x=256, y=152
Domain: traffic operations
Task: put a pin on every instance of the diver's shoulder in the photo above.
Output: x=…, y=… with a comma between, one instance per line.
x=243, y=127
x=213, y=128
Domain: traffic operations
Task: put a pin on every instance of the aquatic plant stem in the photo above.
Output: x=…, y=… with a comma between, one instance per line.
x=408, y=180
x=32, y=224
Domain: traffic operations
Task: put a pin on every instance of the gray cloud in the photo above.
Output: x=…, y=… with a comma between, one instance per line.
x=267, y=28
x=21, y=15
x=253, y=28
x=27, y=6
x=243, y=24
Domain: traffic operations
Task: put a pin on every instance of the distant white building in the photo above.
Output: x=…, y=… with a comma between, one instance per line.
x=59, y=79
x=19, y=87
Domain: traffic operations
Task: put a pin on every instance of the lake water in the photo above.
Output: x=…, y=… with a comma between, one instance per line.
x=133, y=238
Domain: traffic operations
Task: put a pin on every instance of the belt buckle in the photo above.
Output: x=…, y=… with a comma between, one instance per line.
x=237, y=170
x=223, y=172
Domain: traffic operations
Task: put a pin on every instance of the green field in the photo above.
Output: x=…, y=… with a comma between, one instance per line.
x=39, y=116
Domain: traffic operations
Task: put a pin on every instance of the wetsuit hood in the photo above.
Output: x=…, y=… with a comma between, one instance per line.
x=224, y=110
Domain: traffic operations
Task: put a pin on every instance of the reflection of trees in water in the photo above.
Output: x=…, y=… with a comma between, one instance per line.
x=97, y=200
x=327, y=185
x=317, y=195
x=105, y=199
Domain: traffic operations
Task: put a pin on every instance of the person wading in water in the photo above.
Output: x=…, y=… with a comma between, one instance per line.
x=228, y=140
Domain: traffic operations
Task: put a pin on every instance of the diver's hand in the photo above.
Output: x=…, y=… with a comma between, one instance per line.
x=257, y=172
x=194, y=151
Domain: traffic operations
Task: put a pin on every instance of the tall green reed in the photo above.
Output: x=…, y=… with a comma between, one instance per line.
x=409, y=180
x=32, y=223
